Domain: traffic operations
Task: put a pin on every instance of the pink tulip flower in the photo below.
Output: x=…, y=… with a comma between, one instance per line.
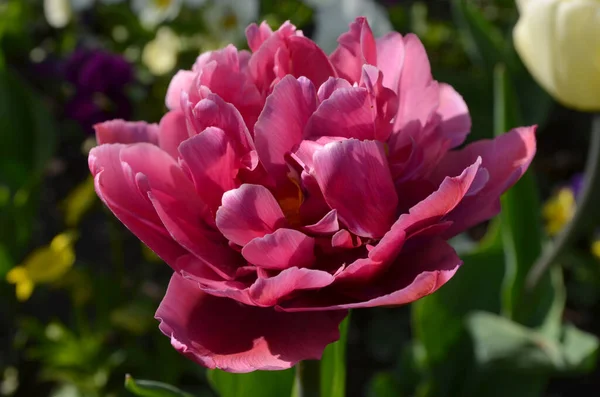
x=285, y=186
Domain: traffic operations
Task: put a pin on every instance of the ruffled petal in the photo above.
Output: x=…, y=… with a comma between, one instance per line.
x=506, y=158
x=416, y=272
x=248, y=212
x=357, y=47
x=221, y=333
x=281, y=124
x=357, y=170
x=211, y=162
x=280, y=250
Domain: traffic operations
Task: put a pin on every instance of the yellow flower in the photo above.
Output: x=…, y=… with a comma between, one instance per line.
x=559, y=42
x=79, y=201
x=44, y=265
x=596, y=248
x=559, y=210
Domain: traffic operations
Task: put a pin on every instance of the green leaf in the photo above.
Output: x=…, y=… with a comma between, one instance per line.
x=333, y=365
x=483, y=41
x=149, y=388
x=502, y=343
x=383, y=384
x=521, y=229
x=258, y=383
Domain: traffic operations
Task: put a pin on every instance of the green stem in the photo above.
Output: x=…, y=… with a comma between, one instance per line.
x=586, y=215
x=308, y=379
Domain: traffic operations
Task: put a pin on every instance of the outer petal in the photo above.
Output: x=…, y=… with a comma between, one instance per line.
x=416, y=273
x=182, y=81
x=418, y=93
x=357, y=47
x=357, y=170
x=248, y=212
x=390, y=59
x=119, y=131
x=506, y=159
x=118, y=191
x=280, y=250
x=455, y=121
x=257, y=35
x=221, y=333
x=172, y=131
x=210, y=160
x=281, y=124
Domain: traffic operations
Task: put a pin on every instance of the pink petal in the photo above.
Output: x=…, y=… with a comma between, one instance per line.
x=418, y=92
x=172, y=131
x=214, y=112
x=390, y=59
x=271, y=291
x=326, y=225
x=506, y=159
x=425, y=215
x=356, y=48
x=456, y=121
x=355, y=180
x=281, y=124
x=280, y=250
x=308, y=60
x=210, y=160
x=257, y=35
x=416, y=273
x=222, y=74
x=118, y=191
x=343, y=239
x=348, y=113
x=119, y=131
x=182, y=81
x=248, y=212
x=384, y=102
x=330, y=86
x=221, y=333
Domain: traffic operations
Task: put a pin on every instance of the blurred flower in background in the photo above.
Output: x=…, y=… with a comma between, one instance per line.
x=227, y=19
x=44, y=265
x=160, y=54
x=99, y=79
x=560, y=208
x=559, y=42
x=333, y=16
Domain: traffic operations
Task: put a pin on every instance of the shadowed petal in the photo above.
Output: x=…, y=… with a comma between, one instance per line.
x=118, y=191
x=326, y=225
x=355, y=180
x=270, y=291
x=416, y=273
x=221, y=333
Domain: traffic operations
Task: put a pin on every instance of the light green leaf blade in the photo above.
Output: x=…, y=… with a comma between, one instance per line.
x=149, y=388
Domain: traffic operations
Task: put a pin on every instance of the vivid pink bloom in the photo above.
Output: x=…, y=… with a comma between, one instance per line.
x=285, y=186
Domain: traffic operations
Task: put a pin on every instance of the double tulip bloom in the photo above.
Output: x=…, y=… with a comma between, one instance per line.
x=285, y=186
x=559, y=42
